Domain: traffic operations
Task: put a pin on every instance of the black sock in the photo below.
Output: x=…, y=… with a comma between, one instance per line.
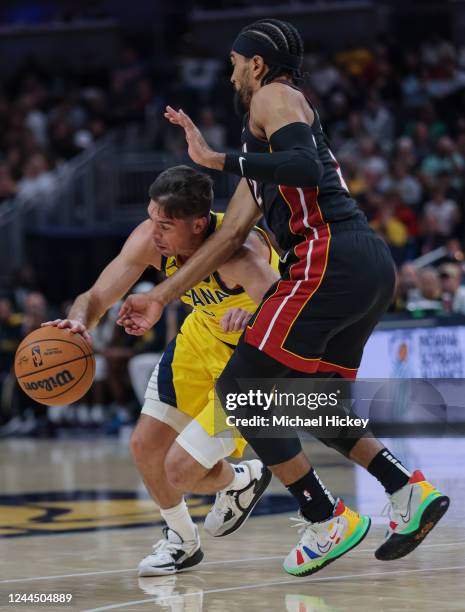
x=315, y=501
x=389, y=471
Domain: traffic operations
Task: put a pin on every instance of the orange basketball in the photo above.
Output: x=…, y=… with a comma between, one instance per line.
x=54, y=366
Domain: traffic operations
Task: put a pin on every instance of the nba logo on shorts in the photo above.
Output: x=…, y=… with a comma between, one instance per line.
x=36, y=356
x=307, y=495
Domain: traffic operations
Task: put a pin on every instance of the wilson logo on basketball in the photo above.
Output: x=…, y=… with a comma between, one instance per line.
x=52, y=382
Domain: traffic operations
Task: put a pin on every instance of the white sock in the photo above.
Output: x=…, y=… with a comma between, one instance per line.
x=179, y=520
x=241, y=478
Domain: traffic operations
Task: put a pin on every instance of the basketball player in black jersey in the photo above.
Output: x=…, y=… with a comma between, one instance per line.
x=337, y=281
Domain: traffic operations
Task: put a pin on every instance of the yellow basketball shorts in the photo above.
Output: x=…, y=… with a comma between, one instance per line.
x=180, y=393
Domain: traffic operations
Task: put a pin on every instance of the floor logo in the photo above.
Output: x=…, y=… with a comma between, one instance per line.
x=81, y=511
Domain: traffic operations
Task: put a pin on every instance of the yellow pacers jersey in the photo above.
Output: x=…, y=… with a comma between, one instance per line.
x=210, y=298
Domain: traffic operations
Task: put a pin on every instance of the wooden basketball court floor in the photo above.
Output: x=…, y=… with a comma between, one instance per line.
x=74, y=518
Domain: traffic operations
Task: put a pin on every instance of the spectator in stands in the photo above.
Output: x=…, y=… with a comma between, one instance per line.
x=35, y=118
x=413, y=85
x=428, y=296
x=325, y=77
x=10, y=336
x=406, y=183
x=37, y=180
x=454, y=252
x=407, y=281
x=391, y=228
x=453, y=293
x=422, y=145
x=348, y=142
x=405, y=153
x=446, y=79
x=36, y=311
x=372, y=157
x=335, y=118
x=404, y=214
x=444, y=159
x=354, y=60
x=443, y=182
x=378, y=121
x=370, y=197
x=441, y=216
x=435, y=123
x=353, y=175
x=27, y=417
x=24, y=282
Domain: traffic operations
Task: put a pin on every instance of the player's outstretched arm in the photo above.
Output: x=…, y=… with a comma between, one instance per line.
x=281, y=113
x=114, y=282
x=140, y=312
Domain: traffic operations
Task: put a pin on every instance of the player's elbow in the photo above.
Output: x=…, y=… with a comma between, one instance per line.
x=302, y=171
x=315, y=172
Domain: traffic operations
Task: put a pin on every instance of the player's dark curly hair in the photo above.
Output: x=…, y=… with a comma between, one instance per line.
x=281, y=36
x=183, y=192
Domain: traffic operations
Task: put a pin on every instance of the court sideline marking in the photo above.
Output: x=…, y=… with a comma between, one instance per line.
x=241, y=560
x=259, y=585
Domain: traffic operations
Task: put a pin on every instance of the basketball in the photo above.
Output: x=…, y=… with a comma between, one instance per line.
x=54, y=366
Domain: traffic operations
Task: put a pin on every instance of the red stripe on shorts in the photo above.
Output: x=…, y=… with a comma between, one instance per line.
x=281, y=310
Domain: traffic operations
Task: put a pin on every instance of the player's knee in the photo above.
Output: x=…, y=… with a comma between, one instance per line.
x=142, y=445
x=136, y=444
x=182, y=471
x=178, y=470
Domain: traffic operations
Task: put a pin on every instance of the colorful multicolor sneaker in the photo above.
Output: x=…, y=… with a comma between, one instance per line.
x=413, y=511
x=322, y=543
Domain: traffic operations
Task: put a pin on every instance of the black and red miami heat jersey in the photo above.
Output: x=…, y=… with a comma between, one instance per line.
x=295, y=214
x=318, y=316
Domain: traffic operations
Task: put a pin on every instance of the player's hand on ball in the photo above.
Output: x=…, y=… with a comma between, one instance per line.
x=235, y=320
x=72, y=324
x=198, y=149
x=138, y=314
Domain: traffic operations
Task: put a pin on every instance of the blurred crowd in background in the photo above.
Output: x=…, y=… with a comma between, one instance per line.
x=395, y=118
x=396, y=121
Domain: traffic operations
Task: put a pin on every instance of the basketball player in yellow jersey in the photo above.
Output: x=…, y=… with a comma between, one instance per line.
x=171, y=445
